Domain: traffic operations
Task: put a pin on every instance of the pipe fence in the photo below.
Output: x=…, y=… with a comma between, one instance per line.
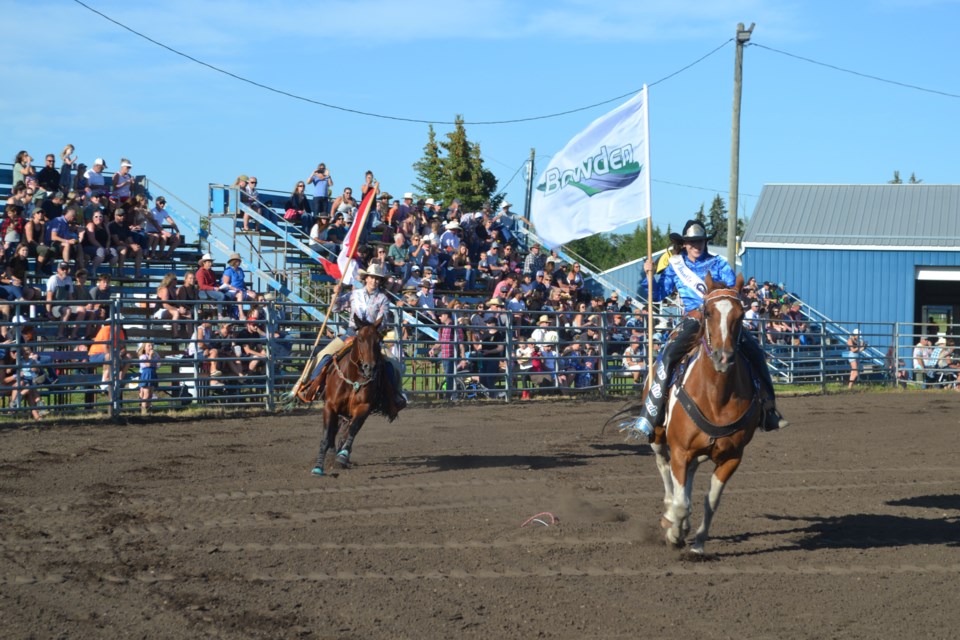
x=80, y=357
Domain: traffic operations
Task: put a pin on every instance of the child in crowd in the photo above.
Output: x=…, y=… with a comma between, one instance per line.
x=149, y=361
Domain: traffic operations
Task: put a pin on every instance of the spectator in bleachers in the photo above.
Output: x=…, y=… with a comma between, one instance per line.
x=84, y=316
x=167, y=307
x=251, y=339
x=35, y=236
x=534, y=261
x=634, y=361
x=505, y=286
x=100, y=295
x=95, y=181
x=12, y=229
x=450, y=238
x=67, y=162
x=59, y=297
x=158, y=219
x=426, y=299
x=296, y=210
x=492, y=264
x=751, y=319
x=96, y=243
x=516, y=302
x=337, y=232
x=398, y=257
x=63, y=237
x=49, y=178
x=228, y=350
x=320, y=183
x=51, y=207
x=460, y=273
x=123, y=182
x=450, y=348
x=22, y=167
x=344, y=206
x=80, y=183
x=202, y=347
x=573, y=283
x=123, y=240
x=208, y=282
x=93, y=204
x=233, y=281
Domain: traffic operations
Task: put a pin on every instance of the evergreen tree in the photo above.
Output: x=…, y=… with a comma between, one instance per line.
x=700, y=217
x=464, y=175
x=718, y=221
x=431, y=179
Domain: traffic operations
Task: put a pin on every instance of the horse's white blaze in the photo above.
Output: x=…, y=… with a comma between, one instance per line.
x=724, y=307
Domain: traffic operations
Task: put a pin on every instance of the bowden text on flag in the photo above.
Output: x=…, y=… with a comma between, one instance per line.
x=600, y=180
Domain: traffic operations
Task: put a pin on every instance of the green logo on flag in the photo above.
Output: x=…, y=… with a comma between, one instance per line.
x=606, y=171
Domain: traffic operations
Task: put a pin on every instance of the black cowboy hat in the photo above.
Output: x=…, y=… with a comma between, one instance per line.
x=692, y=232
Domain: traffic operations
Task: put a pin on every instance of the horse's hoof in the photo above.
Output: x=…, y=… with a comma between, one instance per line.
x=317, y=471
x=343, y=458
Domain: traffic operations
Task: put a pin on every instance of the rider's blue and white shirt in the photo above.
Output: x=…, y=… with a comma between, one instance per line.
x=369, y=306
x=685, y=276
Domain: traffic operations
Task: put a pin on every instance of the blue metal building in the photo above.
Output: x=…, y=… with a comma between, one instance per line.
x=862, y=253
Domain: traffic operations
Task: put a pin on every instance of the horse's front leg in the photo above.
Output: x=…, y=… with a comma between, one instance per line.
x=721, y=475
x=683, y=468
x=343, y=455
x=331, y=422
x=662, y=453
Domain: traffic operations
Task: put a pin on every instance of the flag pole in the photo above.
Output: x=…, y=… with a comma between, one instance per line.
x=646, y=136
x=363, y=214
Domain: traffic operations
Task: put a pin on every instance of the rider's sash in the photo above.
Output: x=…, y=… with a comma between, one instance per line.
x=693, y=282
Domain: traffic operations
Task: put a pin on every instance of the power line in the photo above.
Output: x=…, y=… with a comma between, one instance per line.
x=380, y=115
x=855, y=73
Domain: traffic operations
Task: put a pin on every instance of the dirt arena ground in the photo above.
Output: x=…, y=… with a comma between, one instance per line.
x=843, y=526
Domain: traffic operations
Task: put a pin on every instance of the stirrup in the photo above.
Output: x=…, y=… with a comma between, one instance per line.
x=640, y=427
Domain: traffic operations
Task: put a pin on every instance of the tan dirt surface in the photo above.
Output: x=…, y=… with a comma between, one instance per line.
x=845, y=525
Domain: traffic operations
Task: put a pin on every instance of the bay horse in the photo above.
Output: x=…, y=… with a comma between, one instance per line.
x=712, y=415
x=352, y=388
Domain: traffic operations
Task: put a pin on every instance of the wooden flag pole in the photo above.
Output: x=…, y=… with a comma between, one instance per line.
x=650, y=295
x=306, y=367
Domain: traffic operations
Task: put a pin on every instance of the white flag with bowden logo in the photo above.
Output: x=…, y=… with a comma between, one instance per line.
x=600, y=180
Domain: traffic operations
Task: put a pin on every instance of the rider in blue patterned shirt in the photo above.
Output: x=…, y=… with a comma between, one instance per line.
x=685, y=274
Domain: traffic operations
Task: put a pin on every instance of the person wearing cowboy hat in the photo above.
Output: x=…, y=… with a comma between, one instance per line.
x=505, y=222
x=685, y=274
x=208, y=283
x=372, y=305
x=233, y=283
x=450, y=238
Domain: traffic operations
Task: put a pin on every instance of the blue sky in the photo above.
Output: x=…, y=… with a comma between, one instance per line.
x=71, y=76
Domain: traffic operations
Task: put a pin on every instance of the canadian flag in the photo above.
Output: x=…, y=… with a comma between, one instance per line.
x=346, y=266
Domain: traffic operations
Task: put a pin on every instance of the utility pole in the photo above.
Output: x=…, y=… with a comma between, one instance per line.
x=743, y=36
x=531, y=176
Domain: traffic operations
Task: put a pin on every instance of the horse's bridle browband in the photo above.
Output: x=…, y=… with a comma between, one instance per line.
x=706, y=327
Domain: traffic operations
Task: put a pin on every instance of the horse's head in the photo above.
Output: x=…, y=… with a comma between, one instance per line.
x=367, y=346
x=722, y=322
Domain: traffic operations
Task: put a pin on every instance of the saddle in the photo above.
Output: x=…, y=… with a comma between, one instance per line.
x=308, y=392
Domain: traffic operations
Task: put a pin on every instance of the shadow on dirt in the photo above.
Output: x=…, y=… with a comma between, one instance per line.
x=464, y=462
x=857, y=531
x=941, y=501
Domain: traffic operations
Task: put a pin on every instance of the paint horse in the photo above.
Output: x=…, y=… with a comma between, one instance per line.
x=352, y=391
x=712, y=414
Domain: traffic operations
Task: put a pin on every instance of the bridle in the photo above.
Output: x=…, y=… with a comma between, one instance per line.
x=367, y=371
x=705, y=338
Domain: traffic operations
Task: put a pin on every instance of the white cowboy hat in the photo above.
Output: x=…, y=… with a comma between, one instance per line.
x=205, y=257
x=450, y=226
x=234, y=256
x=429, y=201
x=408, y=196
x=375, y=270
